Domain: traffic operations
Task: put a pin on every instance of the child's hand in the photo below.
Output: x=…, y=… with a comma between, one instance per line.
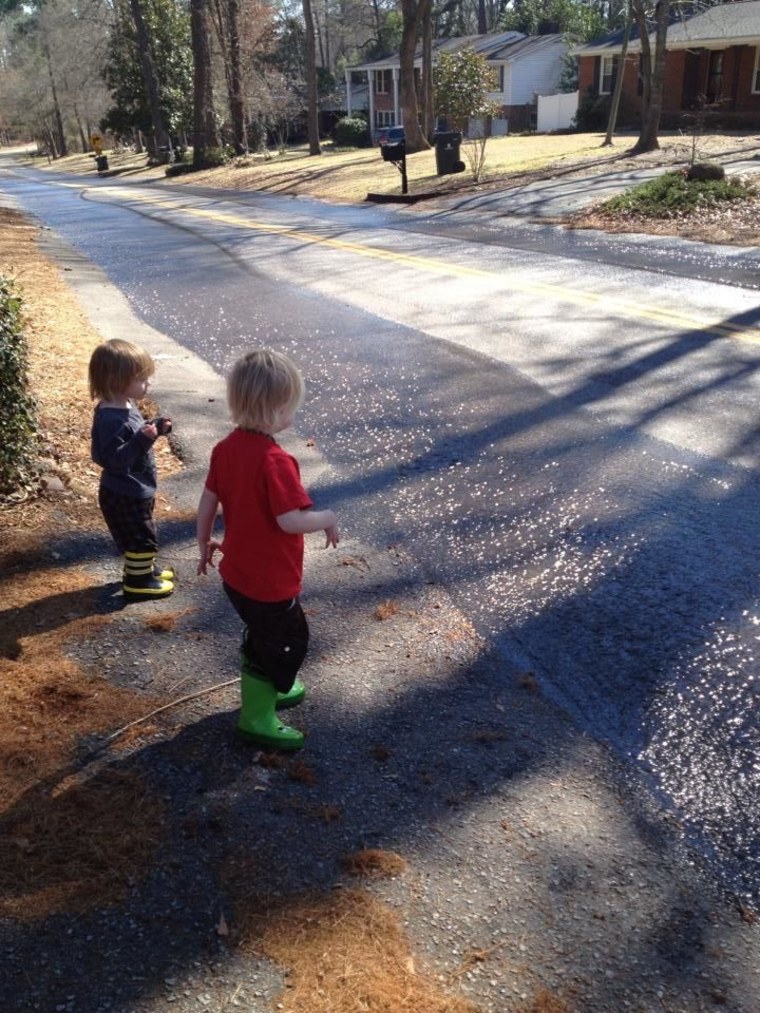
x=150, y=431
x=207, y=559
x=331, y=536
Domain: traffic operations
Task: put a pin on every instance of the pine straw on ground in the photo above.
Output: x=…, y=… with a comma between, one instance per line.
x=347, y=953
x=64, y=841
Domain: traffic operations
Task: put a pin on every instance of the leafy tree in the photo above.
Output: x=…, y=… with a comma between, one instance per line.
x=462, y=81
x=149, y=71
x=576, y=18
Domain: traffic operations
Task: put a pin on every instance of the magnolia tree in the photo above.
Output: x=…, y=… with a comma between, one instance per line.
x=462, y=82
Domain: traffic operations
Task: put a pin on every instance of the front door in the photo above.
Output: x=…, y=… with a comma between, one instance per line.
x=690, y=97
x=714, y=87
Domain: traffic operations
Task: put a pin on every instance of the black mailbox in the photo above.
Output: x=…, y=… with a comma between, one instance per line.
x=393, y=152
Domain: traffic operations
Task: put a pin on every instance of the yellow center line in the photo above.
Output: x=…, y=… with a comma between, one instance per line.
x=578, y=297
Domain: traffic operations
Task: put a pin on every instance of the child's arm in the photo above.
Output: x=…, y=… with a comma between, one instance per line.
x=207, y=508
x=304, y=522
x=121, y=447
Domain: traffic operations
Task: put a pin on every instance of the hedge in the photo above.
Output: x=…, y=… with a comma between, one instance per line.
x=18, y=422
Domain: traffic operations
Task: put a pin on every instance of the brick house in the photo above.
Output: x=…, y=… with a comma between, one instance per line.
x=712, y=62
x=525, y=66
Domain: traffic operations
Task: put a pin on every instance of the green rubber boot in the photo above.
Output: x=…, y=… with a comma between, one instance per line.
x=292, y=698
x=258, y=719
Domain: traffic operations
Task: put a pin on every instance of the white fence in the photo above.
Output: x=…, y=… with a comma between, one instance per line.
x=556, y=112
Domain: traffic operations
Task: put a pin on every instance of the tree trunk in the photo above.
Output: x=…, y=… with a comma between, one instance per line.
x=311, y=80
x=226, y=17
x=84, y=137
x=237, y=107
x=205, y=132
x=482, y=21
x=427, y=75
x=161, y=141
x=58, y=119
x=654, y=79
x=413, y=13
x=617, y=91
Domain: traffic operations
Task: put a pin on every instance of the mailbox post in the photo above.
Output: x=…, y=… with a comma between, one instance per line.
x=393, y=149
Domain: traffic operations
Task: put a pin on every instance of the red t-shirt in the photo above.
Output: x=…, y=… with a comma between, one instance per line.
x=256, y=481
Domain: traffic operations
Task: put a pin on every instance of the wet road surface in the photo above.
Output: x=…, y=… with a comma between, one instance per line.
x=581, y=474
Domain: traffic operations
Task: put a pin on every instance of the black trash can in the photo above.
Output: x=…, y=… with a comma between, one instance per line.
x=102, y=162
x=447, y=159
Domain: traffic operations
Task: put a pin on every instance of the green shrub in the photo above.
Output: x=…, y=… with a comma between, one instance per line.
x=18, y=424
x=351, y=132
x=673, y=194
x=593, y=112
x=179, y=168
x=214, y=157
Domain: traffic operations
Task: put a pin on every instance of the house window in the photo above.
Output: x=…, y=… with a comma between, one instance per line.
x=756, y=75
x=383, y=82
x=383, y=118
x=607, y=70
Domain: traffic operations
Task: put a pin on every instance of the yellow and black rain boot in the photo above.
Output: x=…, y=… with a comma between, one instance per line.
x=162, y=572
x=140, y=581
x=292, y=698
x=258, y=719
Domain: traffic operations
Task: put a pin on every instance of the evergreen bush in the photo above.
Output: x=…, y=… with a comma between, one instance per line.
x=351, y=132
x=593, y=112
x=18, y=423
x=672, y=194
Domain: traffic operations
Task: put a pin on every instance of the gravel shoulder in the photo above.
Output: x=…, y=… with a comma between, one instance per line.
x=536, y=877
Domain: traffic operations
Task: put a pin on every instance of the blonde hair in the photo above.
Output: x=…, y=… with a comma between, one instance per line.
x=114, y=365
x=260, y=385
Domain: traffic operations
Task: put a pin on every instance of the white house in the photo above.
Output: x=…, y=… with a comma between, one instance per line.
x=525, y=66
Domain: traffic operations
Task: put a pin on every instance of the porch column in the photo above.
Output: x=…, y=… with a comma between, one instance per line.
x=348, y=93
x=371, y=89
x=396, y=110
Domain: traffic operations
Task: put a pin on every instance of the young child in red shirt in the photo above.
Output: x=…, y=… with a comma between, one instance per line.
x=266, y=513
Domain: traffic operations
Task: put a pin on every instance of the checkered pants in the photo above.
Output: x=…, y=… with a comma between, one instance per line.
x=130, y=521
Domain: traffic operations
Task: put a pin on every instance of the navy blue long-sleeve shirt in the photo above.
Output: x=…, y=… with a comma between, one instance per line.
x=123, y=452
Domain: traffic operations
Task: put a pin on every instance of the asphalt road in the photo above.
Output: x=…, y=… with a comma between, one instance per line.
x=569, y=445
